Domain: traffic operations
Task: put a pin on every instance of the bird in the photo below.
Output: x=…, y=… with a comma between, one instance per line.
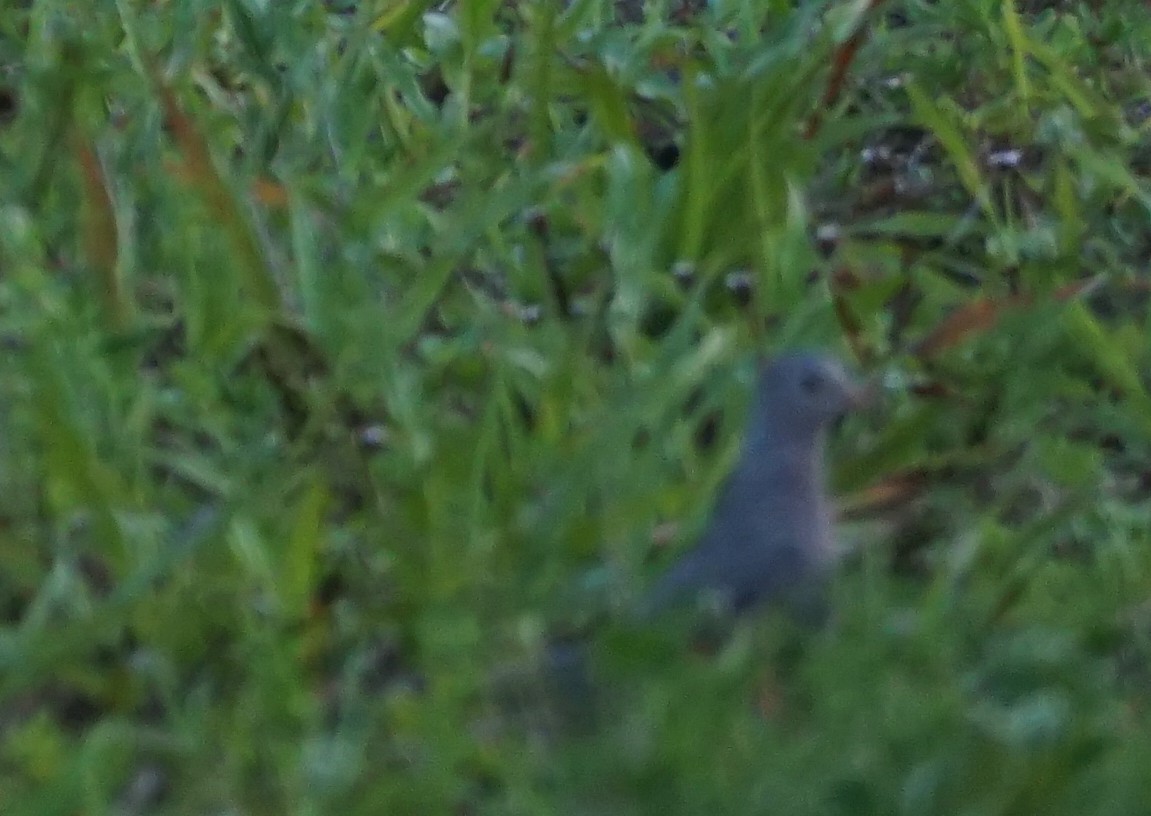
x=770, y=537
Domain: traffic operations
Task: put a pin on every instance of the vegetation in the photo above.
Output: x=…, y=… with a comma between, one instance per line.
x=353, y=351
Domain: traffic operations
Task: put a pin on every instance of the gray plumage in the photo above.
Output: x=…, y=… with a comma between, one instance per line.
x=770, y=536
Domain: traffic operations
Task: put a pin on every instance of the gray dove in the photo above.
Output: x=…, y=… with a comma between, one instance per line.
x=770, y=537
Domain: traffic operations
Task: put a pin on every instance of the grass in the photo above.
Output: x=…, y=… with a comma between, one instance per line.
x=353, y=350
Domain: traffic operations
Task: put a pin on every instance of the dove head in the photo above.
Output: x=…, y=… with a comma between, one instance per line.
x=801, y=393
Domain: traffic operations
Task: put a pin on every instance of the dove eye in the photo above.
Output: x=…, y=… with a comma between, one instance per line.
x=811, y=382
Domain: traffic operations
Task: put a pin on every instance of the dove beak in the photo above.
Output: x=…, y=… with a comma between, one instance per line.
x=858, y=395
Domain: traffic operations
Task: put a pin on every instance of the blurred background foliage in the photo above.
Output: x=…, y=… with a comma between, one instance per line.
x=353, y=350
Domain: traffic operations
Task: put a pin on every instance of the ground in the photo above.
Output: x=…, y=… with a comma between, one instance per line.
x=353, y=352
